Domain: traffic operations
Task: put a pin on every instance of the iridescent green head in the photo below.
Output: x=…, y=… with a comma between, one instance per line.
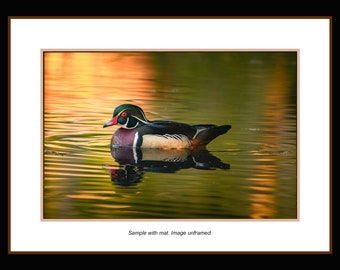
x=128, y=116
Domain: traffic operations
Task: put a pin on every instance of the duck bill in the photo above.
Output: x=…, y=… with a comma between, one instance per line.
x=112, y=122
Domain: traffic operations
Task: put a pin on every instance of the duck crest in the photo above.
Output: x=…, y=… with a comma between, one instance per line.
x=129, y=116
x=132, y=110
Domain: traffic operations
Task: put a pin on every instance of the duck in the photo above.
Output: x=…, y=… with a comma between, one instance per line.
x=137, y=131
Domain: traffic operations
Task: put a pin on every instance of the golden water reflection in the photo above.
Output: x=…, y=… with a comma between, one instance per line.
x=278, y=92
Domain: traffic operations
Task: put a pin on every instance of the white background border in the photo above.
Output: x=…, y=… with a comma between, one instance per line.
x=310, y=36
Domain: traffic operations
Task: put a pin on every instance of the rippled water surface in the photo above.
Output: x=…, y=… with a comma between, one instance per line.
x=248, y=173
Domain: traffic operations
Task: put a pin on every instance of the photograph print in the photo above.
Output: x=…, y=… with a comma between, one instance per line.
x=188, y=135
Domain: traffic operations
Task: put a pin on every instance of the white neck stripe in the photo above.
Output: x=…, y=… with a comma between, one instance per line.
x=135, y=140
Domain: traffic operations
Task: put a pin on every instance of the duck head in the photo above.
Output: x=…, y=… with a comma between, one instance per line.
x=128, y=116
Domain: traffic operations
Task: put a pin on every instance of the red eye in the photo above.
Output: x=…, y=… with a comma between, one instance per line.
x=124, y=114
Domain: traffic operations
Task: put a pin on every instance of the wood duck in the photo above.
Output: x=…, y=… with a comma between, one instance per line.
x=137, y=131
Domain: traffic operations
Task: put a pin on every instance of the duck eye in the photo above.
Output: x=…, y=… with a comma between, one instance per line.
x=124, y=114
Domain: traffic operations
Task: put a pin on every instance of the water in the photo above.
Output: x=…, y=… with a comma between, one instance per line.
x=248, y=173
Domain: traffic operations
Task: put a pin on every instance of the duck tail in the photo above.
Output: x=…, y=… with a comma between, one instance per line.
x=206, y=133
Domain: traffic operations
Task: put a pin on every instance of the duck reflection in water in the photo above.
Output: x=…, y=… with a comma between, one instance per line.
x=135, y=162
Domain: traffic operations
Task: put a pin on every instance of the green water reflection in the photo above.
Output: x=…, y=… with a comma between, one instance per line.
x=255, y=92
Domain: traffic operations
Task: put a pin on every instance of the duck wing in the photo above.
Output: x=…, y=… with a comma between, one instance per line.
x=206, y=133
x=169, y=127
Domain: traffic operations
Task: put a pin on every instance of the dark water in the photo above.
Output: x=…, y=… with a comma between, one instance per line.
x=248, y=173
